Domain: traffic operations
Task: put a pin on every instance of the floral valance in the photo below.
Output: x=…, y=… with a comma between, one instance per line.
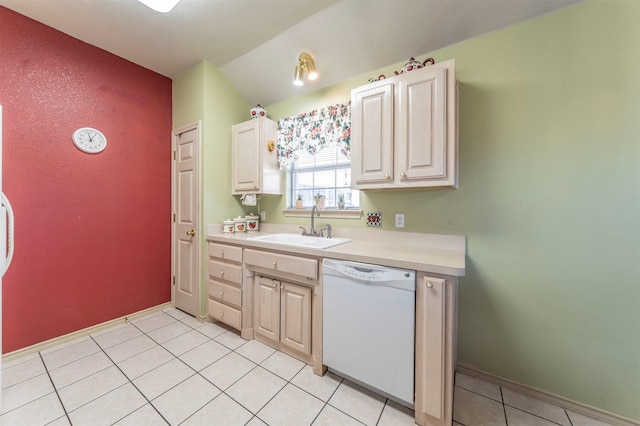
x=314, y=130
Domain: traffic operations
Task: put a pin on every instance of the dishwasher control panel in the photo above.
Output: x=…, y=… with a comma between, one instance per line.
x=370, y=273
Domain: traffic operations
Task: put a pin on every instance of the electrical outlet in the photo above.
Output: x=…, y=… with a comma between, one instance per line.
x=399, y=220
x=263, y=215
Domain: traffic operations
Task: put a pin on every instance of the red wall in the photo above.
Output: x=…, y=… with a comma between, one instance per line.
x=92, y=232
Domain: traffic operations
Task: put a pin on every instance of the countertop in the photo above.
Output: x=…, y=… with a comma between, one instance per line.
x=434, y=253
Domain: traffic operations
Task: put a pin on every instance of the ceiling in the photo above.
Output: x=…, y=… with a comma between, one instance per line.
x=256, y=43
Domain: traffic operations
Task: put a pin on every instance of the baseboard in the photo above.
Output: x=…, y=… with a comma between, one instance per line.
x=575, y=406
x=10, y=356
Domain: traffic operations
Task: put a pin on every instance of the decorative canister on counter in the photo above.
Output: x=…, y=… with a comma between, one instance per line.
x=253, y=222
x=258, y=111
x=240, y=224
x=228, y=226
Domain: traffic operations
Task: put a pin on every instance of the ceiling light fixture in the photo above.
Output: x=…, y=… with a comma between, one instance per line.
x=162, y=6
x=305, y=62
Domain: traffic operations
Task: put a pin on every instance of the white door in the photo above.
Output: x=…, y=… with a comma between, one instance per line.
x=186, y=219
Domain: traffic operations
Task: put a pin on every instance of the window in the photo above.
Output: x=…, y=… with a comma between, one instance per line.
x=327, y=173
x=314, y=147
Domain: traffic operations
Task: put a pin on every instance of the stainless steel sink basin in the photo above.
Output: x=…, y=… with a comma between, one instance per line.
x=297, y=240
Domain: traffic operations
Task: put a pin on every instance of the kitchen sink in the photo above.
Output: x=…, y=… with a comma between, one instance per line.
x=297, y=240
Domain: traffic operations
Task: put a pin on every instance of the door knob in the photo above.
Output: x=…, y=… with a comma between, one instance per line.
x=191, y=233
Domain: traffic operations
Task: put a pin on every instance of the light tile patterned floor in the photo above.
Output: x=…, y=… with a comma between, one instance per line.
x=167, y=368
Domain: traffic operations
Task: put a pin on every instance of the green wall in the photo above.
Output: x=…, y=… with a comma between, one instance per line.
x=549, y=195
x=203, y=94
x=549, y=200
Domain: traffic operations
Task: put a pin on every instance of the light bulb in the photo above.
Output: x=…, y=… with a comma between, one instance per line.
x=297, y=80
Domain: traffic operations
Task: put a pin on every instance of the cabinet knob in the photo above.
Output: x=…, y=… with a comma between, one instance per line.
x=275, y=263
x=221, y=253
x=221, y=273
x=403, y=174
x=221, y=315
x=386, y=176
x=429, y=284
x=221, y=293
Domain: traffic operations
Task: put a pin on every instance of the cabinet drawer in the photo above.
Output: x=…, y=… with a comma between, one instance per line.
x=282, y=263
x=225, y=293
x=222, y=251
x=226, y=314
x=225, y=271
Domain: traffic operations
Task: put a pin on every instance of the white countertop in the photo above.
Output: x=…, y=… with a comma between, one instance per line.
x=434, y=253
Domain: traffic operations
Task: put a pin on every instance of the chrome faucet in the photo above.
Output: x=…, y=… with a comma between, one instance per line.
x=312, y=231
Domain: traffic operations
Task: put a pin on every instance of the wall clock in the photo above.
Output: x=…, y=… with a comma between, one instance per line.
x=89, y=140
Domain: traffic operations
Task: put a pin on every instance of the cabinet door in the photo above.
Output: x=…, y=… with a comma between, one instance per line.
x=295, y=317
x=372, y=135
x=266, y=308
x=436, y=300
x=246, y=157
x=421, y=125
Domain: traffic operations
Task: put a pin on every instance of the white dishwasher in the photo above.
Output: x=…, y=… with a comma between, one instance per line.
x=368, y=326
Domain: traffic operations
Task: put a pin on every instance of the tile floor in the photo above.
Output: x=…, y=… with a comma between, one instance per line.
x=167, y=368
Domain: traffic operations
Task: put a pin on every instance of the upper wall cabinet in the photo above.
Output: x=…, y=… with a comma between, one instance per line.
x=255, y=158
x=404, y=130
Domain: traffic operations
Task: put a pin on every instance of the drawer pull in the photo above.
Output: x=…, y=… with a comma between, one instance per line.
x=221, y=315
x=221, y=253
x=221, y=293
x=222, y=273
x=275, y=263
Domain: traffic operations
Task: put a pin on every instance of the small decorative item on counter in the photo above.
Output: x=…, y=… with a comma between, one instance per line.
x=253, y=222
x=299, y=203
x=258, y=111
x=320, y=200
x=240, y=224
x=228, y=226
x=413, y=64
x=341, y=201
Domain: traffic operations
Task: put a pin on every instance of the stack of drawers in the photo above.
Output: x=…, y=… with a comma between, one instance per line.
x=225, y=284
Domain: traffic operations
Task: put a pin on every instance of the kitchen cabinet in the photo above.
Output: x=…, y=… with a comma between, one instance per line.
x=404, y=130
x=287, y=311
x=255, y=168
x=225, y=284
x=282, y=298
x=282, y=313
x=436, y=314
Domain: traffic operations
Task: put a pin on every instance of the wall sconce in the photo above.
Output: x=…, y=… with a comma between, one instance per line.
x=305, y=62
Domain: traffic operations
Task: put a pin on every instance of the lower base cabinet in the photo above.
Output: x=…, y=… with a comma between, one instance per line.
x=282, y=314
x=436, y=313
x=264, y=295
x=225, y=284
